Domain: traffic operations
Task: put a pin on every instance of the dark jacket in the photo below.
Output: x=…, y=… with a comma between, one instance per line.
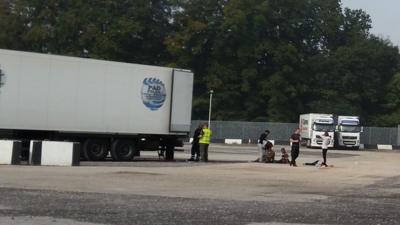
x=196, y=135
x=263, y=137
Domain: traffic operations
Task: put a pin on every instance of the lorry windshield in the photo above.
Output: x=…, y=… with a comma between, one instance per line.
x=323, y=127
x=349, y=128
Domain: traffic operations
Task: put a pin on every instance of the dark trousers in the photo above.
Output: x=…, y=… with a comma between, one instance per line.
x=195, y=150
x=294, y=153
x=324, y=151
x=204, y=152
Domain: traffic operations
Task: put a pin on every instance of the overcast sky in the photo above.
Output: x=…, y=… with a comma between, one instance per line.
x=385, y=15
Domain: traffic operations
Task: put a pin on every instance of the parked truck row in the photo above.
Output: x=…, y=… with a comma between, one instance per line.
x=345, y=130
x=108, y=107
x=116, y=108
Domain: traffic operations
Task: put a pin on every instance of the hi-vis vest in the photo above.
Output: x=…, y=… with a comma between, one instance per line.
x=205, y=138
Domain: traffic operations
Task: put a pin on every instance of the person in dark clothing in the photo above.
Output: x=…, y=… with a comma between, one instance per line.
x=295, y=142
x=262, y=141
x=263, y=137
x=315, y=163
x=195, y=152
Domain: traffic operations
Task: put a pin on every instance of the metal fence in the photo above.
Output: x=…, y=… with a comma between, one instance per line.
x=248, y=130
x=380, y=135
x=282, y=131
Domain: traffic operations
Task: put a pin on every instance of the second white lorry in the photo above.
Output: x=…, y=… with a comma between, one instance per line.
x=348, y=132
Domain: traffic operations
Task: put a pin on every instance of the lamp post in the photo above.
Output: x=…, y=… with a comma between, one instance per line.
x=210, y=108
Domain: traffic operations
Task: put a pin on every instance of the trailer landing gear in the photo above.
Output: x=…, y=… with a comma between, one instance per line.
x=169, y=152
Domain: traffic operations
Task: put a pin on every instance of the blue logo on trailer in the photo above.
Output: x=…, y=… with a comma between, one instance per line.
x=153, y=93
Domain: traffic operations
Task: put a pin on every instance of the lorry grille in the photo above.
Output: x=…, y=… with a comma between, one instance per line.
x=349, y=142
x=350, y=138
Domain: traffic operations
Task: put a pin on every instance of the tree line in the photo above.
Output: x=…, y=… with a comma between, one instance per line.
x=266, y=60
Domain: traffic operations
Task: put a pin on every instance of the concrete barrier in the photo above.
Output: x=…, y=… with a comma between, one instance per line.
x=10, y=152
x=233, y=141
x=385, y=147
x=53, y=153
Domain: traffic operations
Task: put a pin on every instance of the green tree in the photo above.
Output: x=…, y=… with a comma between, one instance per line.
x=191, y=44
x=390, y=108
x=132, y=31
x=271, y=60
x=267, y=60
x=11, y=27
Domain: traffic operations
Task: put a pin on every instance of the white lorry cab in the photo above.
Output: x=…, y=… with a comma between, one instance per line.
x=348, y=132
x=313, y=125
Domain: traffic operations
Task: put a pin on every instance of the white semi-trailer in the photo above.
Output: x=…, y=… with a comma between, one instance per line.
x=313, y=125
x=348, y=131
x=107, y=106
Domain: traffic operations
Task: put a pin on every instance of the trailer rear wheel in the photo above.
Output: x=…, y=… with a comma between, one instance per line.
x=123, y=150
x=95, y=149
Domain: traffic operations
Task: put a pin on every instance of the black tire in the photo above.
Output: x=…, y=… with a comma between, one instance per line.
x=123, y=150
x=95, y=149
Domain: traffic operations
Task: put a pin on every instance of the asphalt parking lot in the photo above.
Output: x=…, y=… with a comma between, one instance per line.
x=361, y=188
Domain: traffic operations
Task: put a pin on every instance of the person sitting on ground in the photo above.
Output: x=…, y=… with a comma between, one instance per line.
x=270, y=153
x=285, y=157
x=315, y=163
x=318, y=164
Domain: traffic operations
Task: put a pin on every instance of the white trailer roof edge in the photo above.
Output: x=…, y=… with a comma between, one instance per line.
x=322, y=114
x=77, y=58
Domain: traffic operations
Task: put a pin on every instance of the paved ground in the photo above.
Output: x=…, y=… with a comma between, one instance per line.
x=361, y=188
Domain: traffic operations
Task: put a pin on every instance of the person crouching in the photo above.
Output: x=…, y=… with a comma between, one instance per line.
x=284, y=158
x=269, y=153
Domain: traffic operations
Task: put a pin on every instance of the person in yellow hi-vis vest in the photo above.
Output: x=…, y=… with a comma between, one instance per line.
x=205, y=139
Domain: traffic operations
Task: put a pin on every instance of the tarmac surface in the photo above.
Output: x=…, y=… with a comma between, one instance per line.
x=362, y=188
